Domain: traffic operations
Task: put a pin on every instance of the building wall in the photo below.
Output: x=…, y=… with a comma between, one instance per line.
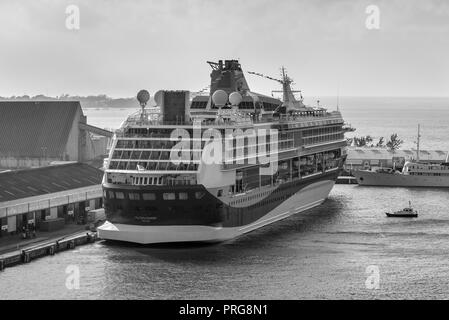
x=368, y=158
x=15, y=214
x=71, y=213
x=72, y=147
x=96, y=146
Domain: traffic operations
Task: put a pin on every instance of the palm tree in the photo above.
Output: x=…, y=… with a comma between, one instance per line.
x=380, y=144
x=349, y=141
x=363, y=141
x=394, y=143
x=360, y=142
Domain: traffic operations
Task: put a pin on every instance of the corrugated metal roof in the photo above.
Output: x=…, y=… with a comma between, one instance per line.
x=385, y=154
x=34, y=182
x=35, y=128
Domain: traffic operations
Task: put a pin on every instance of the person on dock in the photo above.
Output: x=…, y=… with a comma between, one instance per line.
x=24, y=235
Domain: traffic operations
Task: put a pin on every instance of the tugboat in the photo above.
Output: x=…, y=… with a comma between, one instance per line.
x=407, y=212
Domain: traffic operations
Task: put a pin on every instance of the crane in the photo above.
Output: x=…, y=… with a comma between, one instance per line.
x=288, y=97
x=200, y=92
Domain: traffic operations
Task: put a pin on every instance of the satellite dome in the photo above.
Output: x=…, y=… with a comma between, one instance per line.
x=158, y=97
x=143, y=96
x=220, y=98
x=235, y=98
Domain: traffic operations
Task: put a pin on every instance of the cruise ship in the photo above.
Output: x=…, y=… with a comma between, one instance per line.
x=208, y=168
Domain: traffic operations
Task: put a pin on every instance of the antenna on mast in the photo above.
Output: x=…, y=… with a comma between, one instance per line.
x=338, y=97
x=417, y=143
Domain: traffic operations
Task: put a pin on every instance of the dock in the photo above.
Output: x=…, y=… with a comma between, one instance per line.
x=346, y=180
x=47, y=248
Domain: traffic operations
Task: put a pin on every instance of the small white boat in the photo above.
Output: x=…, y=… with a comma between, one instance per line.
x=407, y=212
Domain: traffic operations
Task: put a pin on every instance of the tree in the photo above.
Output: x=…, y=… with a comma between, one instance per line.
x=380, y=144
x=359, y=142
x=363, y=141
x=394, y=143
x=349, y=141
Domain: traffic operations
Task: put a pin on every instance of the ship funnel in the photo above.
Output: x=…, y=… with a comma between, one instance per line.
x=447, y=157
x=174, y=106
x=227, y=76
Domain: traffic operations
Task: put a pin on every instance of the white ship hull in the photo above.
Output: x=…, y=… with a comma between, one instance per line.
x=307, y=198
x=370, y=178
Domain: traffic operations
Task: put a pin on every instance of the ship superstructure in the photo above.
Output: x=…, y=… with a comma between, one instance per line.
x=212, y=167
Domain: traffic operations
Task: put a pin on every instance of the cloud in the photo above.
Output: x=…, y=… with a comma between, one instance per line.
x=123, y=46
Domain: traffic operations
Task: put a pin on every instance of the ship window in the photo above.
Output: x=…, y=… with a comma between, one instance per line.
x=199, y=195
x=149, y=196
x=160, y=180
x=183, y=196
x=134, y=196
x=169, y=196
x=119, y=195
x=111, y=194
x=220, y=193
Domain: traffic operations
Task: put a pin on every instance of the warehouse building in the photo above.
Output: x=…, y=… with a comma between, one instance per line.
x=367, y=158
x=54, y=195
x=36, y=133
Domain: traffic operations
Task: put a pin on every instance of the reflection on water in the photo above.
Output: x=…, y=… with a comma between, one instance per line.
x=323, y=254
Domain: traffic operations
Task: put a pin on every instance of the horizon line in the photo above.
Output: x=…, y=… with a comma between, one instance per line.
x=312, y=95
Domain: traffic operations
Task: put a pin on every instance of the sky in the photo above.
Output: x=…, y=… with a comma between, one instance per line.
x=124, y=46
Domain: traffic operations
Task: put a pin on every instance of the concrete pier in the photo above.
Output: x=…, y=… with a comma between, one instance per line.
x=346, y=180
x=30, y=253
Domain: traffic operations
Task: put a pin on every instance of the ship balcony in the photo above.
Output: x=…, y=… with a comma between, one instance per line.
x=299, y=119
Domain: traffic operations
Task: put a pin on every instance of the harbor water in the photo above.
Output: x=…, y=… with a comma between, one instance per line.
x=328, y=253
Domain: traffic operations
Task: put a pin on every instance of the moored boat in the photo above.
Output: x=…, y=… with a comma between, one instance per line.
x=415, y=173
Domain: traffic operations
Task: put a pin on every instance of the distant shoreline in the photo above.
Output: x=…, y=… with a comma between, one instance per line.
x=106, y=102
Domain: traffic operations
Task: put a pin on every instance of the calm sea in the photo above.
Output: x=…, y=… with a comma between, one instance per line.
x=345, y=249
